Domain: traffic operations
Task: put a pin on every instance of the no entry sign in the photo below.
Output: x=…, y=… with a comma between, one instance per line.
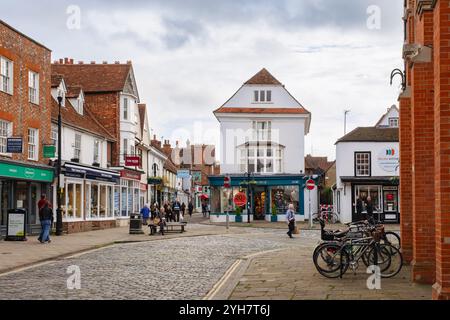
x=240, y=199
x=310, y=184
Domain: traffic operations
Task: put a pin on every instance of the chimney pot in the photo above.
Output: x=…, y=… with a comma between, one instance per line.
x=105, y=62
x=71, y=61
x=117, y=62
x=92, y=62
x=66, y=60
x=61, y=61
x=80, y=62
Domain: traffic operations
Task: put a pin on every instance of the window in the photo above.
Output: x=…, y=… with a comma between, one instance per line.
x=79, y=105
x=374, y=192
x=33, y=139
x=393, y=122
x=5, y=133
x=362, y=164
x=262, y=96
x=262, y=130
x=96, y=151
x=132, y=149
x=125, y=108
x=6, y=75
x=265, y=159
x=77, y=147
x=33, y=87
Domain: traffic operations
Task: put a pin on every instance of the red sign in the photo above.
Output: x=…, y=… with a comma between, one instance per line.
x=130, y=175
x=132, y=161
x=310, y=185
x=144, y=187
x=390, y=197
x=227, y=182
x=240, y=199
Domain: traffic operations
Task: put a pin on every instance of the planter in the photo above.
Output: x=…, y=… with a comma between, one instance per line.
x=238, y=219
x=273, y=218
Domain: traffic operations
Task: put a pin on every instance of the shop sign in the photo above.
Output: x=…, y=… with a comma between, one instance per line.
x=14, y=145
x=388, y=159
x=49, y=151
x=144, y=187
x=197, y=177
x=183, y=174
x=132, y=161
x=240, y=199
x=130, y=175
x=155, y=181
x=20, y=172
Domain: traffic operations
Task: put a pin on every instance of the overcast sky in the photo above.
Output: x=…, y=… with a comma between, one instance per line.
x=190, y=56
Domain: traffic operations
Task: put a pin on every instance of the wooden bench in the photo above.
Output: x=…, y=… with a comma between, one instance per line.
x=175, y=227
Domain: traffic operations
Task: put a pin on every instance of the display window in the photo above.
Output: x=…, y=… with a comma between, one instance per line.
x=282, y=196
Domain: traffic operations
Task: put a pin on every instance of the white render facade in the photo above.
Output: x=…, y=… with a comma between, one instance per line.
x=367, y=164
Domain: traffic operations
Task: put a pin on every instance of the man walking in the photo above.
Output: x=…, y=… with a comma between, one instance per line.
x=190, y=209
x=176, y=210
x=145, y=212
x=290, y=218
x=46, y=217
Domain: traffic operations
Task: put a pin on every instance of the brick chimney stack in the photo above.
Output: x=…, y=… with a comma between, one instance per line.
x=167, y=147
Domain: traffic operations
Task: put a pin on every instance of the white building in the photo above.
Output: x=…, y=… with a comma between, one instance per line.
x=367, y=164
x=88, y=198
x=263, y=130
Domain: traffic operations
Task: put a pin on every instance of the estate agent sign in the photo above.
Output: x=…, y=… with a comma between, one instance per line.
x=388, y=159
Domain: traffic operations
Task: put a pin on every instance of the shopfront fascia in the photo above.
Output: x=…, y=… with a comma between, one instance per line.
x=89, y=193
x=20, y=187
x=130, y=193
x=269, y=195
x=384, y=192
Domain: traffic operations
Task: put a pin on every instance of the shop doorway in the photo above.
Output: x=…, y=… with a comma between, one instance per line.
x=260, y=206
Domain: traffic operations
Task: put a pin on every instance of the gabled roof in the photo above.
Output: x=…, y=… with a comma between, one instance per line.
x=86, y=122
x=263, y=77
x=371, y=134
x=262, y=110
x=385, y=115
x=318, y=163
x=95, y=77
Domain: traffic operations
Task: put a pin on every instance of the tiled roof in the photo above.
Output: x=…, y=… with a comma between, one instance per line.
x=95, y=77
x=262, y=110
x=265, y=78
x=371, y=134
x=87, y=121
x=73, y=92
x=317, y=162
x=170, y=166
x=56, y=80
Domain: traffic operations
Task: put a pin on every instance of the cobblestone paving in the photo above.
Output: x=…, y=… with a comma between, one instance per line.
x=184, y=268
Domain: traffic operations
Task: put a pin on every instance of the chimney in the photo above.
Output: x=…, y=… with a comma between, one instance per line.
x=167, y=147
x=66, y=60
x=61, y=61
x=117, y=62
x=80, y=62
x=71, y=61
x=105, y=62
x=92, y=62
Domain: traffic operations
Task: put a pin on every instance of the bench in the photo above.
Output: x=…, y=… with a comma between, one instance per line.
x=175, y=227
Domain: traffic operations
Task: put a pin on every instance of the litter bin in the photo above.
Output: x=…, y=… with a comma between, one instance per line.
x=16, y=225
x=136, y=224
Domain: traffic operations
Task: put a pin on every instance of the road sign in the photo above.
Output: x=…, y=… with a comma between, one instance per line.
x=310, y=184
x=240, y=199
x=227, y=182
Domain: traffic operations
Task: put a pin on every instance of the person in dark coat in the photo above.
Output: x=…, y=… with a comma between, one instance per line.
x=290, y=219
x=369, y=208
x=46, y=217
x=359, y=208
x=183, y=208
x=176, y=207
x=190, y=209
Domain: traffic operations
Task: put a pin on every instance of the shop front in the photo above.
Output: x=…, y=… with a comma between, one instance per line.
x=269, y=197
x=21, y=186
x=130, y=193
x=88, y=199
x=384, y=194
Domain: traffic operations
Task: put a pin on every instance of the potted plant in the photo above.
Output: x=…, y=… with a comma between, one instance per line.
x=238, y=217
x=274, y=217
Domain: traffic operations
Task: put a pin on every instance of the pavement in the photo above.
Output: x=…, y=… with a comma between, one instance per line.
x=207, y=262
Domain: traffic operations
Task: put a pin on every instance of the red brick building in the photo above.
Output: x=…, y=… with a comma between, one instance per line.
x=25, y=113
x=425, y=144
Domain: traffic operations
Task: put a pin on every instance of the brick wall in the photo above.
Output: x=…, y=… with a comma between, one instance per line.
x=26, y=55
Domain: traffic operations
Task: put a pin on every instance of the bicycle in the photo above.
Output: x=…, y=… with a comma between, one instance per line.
x=326, y=215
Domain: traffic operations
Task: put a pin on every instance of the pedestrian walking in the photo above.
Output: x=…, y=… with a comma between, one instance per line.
x=162, y=220
x=176, y=207
x=42, y=201
x=183, y=209
x=290, y=218
x=145, y=212
x=204, y=210
x=46, y=217
x=359, y=209
x=190, y=209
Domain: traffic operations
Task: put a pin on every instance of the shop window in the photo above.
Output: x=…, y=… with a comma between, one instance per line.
x=70, y=201
x=103, y=203
x=94, y=201
x=282, y=196
x=363, y=192
x=390, y=201
x=362, y=164
x=124, y=197
x=78, y=201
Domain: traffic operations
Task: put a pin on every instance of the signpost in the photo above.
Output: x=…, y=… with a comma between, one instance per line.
x=310, y=185
x=227, y=186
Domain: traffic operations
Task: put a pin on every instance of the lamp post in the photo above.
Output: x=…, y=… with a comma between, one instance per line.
x=59, y=223
x=248, y=197
x=155, y=168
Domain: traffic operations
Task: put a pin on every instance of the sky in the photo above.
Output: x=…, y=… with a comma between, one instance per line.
x=190, y=56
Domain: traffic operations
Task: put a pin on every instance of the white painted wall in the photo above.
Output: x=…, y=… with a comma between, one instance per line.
x=128, y=127
x=392, y=113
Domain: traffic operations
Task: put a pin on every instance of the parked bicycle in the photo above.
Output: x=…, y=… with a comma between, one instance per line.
x=326, y=213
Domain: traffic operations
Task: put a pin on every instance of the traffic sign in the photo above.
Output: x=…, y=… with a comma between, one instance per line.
x=227, y=182
x=310, y=184
x=240, y=199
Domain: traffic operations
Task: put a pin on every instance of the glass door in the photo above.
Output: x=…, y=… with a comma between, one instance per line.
x=260, y=203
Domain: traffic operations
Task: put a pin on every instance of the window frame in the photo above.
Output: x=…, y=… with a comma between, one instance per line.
x=126, y=109
x=96, y=155
x=33, y=144
x=394, y=119
x=33, y=87
x=9, y=134
x=357, y=153
x=77, y=146
x=8, y=75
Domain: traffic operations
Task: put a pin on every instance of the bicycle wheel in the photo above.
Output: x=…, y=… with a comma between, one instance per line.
x=388, y=258
x=328, y=259
x=334, y=218
x=392, y=238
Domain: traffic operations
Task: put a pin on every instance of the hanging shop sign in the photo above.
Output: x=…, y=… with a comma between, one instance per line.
x=183, y=174
x=126, y=174
x=49, y=151
x=240, y=199
x=197, y=177
x=388, y=159
x=132, y=161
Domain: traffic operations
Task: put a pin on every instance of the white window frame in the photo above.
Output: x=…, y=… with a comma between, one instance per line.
x=54, y=137
x=6, y=75
x=33, y=144
x=96, y=151
x=126, y=108
x=5, y=133
x=262, y=96
x=251, y=156
x=77, y=146
x=75, y=210
x=393, y=120
x=262, y=130
x=33, y=87
x=363, y=164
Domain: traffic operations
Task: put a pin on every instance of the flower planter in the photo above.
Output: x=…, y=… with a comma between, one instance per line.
x=274, y=218
x=238, y=219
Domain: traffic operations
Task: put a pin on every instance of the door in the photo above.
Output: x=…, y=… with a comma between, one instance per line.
x=260, y=203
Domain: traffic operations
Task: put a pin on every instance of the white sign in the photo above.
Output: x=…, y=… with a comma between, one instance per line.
x=16, y=225
x=389, y=159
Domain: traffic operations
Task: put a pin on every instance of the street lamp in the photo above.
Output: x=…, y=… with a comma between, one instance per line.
x=59, y=223
x=155, y=168
x=248, y=174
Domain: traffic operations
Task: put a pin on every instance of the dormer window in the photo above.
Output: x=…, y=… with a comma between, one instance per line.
x=264, y=96
x=393, y=122
x=79, y=105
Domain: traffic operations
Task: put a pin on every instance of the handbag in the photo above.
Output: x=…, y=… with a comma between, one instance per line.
x=157, y=221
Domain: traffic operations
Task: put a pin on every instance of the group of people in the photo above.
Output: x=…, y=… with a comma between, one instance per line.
x=369, y=206
x=174, y=212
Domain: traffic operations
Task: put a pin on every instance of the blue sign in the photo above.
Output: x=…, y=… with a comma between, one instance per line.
x=14, y=145
x=183, y=174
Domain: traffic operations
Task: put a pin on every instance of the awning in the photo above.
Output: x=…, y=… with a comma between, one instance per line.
x=91, y=173
x=371, y=180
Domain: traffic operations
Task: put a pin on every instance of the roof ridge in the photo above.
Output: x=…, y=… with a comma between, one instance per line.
x=263, y=77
